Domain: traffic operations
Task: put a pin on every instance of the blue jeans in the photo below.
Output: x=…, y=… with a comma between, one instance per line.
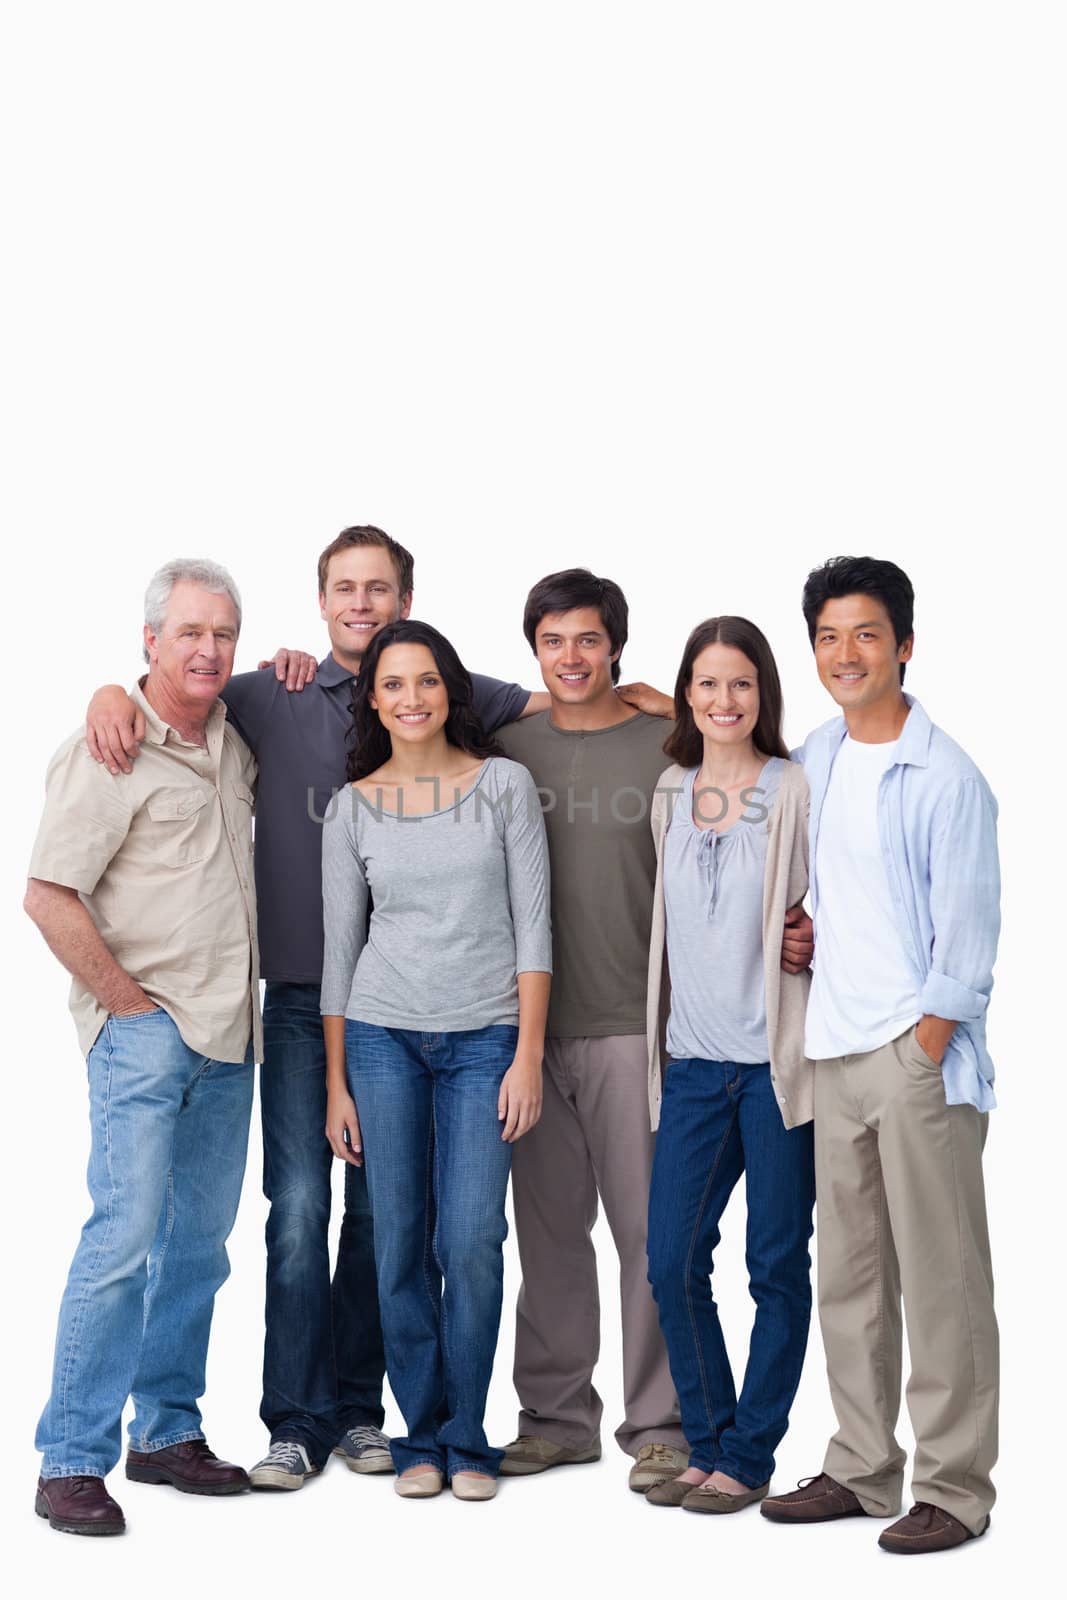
x=438, y=1173
x=323, y=1360
x=169, y=1135
x=718, y=1120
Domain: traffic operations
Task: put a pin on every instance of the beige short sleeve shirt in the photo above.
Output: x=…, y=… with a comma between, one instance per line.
x=162, y=860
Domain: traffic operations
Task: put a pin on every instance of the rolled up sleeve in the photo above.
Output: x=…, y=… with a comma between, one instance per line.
x=964, y=905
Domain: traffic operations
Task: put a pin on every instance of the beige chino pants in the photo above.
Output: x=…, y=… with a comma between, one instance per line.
x=593, y=1136
x=901, y=1211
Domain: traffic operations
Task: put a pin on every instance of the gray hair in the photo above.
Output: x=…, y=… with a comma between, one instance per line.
x=208, y=574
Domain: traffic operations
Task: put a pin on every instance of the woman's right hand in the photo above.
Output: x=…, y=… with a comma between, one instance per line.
x=342, y=1119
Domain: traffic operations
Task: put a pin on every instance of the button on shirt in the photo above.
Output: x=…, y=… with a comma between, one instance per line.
x=937, y=832
x=162, y=860
x=300, y=741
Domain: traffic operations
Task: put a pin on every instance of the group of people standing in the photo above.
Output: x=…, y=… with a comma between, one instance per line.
x=431, y=1022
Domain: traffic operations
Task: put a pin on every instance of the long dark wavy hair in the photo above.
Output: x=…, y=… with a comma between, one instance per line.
x=686, y=743
x=369, y=744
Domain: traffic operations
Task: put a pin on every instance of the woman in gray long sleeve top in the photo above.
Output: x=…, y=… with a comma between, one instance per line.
x=434, y=996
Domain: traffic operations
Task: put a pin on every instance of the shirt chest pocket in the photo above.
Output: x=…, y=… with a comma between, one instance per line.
x=182, y=829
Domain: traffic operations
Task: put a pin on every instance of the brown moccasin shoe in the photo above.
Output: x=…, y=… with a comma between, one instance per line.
x=706, y=1497
x=926, y=1527
x=671, y=1492
x=818, y=1499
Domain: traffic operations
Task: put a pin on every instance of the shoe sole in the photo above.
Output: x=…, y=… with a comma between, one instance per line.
x=510, y=1468
x=94, y=1530
x=383, y=1464
x=158, y=1475
x=287, y=1481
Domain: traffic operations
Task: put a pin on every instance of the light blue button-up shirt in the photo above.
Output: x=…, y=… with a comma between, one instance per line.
x=937, y=825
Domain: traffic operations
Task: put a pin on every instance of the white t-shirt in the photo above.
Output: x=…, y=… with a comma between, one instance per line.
x=864, y=992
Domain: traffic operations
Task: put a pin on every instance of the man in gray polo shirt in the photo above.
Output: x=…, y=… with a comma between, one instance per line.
x=596, y=763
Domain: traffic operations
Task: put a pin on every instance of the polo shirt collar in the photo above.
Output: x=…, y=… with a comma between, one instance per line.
x=330, y=673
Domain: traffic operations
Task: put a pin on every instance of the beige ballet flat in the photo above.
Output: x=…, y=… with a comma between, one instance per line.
x=420, y=1485
x=473, y=1486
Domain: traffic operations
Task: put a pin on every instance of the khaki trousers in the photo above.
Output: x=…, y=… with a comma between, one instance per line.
x=901, y=1210
x=593, y=1136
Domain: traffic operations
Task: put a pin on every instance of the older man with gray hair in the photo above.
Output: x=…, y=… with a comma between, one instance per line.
x=143, y=889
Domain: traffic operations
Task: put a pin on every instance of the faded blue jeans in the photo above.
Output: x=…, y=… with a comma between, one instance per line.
x=438, y=1173
x=717, y=1120
x=323, y=1360
x=169, y=1135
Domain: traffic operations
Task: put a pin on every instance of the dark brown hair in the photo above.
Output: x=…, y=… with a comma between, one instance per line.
x=355, y=538
x=686, y=744
x=574, y=590
x=369, y=744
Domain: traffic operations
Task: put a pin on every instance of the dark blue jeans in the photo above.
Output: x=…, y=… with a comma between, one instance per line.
x=438, y=1173
x=719, y=1119
x=323, y=1360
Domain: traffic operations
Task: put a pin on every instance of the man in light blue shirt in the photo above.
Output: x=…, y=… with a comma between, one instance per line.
x=905, y=899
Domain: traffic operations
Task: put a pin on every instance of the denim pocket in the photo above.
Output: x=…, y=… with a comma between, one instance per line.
x=137, y=1016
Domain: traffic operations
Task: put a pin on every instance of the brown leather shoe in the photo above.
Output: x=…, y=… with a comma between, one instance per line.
x=78, y=1505
x=818, y=1499
x=191, y=1467
x=926, y=1527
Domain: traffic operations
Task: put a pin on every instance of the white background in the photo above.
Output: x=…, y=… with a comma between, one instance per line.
x=696, y=294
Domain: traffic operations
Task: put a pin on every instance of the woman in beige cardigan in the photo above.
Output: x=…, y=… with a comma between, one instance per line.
x=730, y=822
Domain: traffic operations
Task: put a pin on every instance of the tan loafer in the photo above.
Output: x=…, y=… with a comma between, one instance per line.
x=656, y=1463
x=531, y=1452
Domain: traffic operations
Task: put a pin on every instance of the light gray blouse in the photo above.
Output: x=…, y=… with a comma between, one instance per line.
x=713, y=888
x=460, y=906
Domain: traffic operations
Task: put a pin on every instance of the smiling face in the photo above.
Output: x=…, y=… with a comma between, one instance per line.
x=857, y=655
x=362, y=595
x=723, y=695
x=575, y=656
x=409, y=695
x=190, y=659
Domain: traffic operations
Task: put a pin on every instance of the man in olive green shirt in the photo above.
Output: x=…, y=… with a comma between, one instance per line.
x=596, y=763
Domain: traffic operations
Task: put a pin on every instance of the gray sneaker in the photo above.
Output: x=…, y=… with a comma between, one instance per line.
x=285, y=1466
x=532, y=1453
x=365, y=1449
x=655, y=1464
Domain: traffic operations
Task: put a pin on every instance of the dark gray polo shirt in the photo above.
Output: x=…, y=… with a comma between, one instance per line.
x=299, y=741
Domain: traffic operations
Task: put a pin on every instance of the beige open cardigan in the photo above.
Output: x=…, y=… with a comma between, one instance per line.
x=785, y=884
